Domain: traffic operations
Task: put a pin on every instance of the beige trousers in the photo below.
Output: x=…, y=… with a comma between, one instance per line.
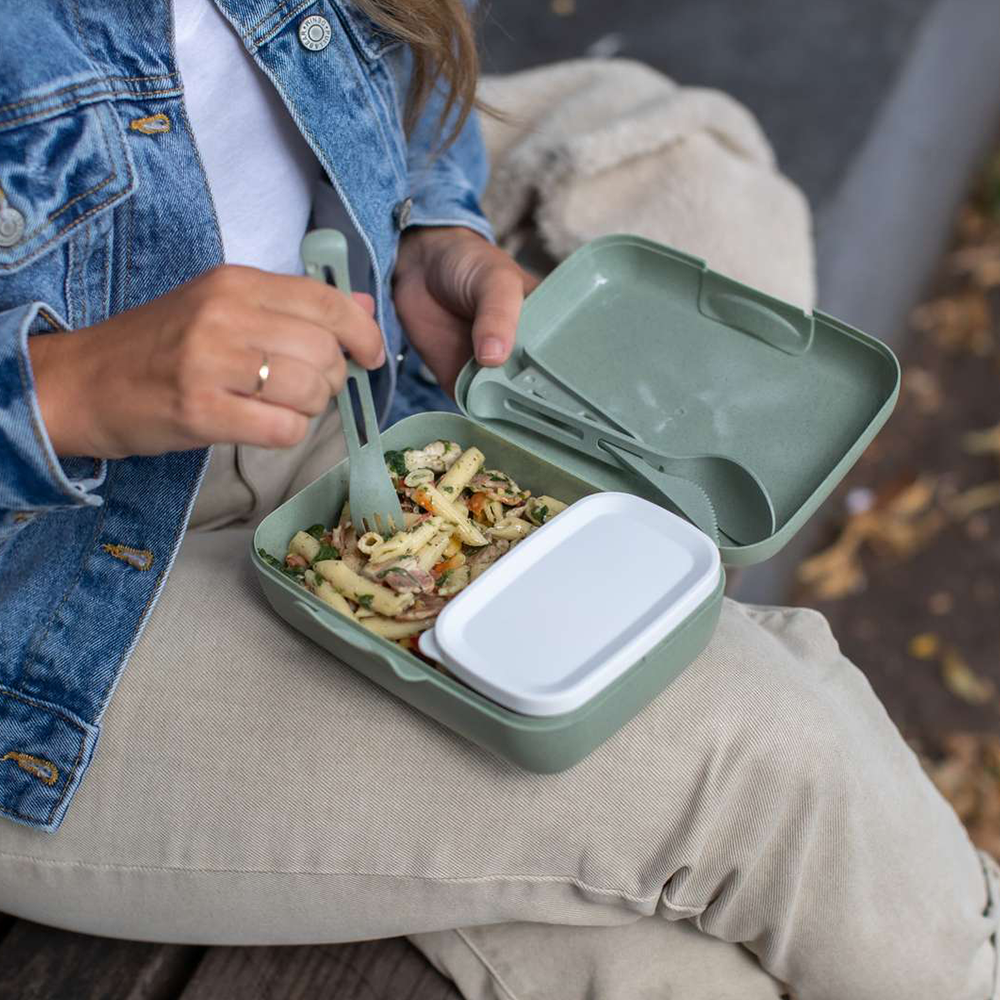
x=762, y=814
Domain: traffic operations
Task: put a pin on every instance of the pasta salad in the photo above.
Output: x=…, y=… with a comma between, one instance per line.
x=460, y=518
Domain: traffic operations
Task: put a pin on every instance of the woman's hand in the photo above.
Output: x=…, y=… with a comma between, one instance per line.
x=181, y=371
x=455, y=292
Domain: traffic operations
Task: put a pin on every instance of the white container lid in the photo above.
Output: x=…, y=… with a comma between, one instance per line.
x=575, y=604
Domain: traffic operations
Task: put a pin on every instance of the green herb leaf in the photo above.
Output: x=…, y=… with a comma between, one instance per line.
x=327, y=552
x=317, y=531
x=365, y=600
x=442, y=579
x=448, y=489
x=396, y=461
x=270, y=560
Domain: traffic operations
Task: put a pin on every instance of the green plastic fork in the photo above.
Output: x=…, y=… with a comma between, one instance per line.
x=374, y=503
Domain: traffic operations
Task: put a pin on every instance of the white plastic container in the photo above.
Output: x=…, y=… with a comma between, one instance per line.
x=574, y=605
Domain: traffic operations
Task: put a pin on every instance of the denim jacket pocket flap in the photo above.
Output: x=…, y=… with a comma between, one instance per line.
x=56, y=174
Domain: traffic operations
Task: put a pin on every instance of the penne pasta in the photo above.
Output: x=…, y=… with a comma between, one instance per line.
x=406, y=543
x=457, y=477
x=367, y=593
x=388, y=628
x=511, y=528
x=303, y=544
x=432, y=499
x=542, y=509
x=433, y=551
x=457, y=579
x=326, y=592
x=370, y=541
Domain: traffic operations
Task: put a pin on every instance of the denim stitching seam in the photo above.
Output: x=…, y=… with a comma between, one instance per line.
x=99, y=95
x=290, y=16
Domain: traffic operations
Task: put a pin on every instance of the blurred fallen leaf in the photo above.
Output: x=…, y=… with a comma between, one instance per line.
x=977, y=498
x=940, y=603
x=981, y=264
x=959, y=322
x=925, y=389
x=900, y=520
x=925, y=646
x=963, y=681
x=836, y=571
x=968, y=776
x=983, y=442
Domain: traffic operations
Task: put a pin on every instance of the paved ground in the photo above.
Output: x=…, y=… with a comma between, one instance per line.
x=909, y=568
x=926, y=500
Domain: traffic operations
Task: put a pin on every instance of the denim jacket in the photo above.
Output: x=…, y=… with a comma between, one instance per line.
x=103, y=206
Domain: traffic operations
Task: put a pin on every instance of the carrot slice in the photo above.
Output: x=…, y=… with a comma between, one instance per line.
x=442, y=567
x=477, y=503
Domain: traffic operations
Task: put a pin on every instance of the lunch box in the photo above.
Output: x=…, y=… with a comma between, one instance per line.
x=635, y=344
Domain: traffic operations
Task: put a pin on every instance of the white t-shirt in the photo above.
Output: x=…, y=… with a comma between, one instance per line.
x=261, y=171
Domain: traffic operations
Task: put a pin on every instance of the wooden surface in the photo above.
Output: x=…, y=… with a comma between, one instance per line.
x=41, y=963
x=369, y=970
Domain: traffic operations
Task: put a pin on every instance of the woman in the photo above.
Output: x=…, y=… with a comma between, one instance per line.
x=248, y=789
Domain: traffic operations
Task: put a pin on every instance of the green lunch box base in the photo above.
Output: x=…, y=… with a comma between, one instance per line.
x=625, y=339
x=543, y=745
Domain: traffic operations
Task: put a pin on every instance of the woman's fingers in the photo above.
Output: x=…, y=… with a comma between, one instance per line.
x=273, y=334
x=498, y=295
x=248, y=420
x=290, y=382
x=346, y=317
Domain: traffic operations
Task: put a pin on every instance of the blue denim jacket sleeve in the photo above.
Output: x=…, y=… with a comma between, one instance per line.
x=446, y=186
x=32, y=478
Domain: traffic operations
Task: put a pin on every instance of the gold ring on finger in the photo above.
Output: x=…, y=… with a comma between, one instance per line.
x=263, y=373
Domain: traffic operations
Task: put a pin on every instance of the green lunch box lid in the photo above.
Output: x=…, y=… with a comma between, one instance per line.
x=633, y=341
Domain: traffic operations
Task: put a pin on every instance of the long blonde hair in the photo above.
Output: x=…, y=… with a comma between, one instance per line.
x=443, y=42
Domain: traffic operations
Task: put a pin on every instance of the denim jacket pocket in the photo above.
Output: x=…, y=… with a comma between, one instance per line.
x=61, y=174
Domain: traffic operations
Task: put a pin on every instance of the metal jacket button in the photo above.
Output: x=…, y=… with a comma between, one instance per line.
x=11, y=225
x=401, y=213
x=315, y=33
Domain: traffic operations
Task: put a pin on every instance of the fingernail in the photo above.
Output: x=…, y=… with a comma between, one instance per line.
x=491, y=349
x=380, y=360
